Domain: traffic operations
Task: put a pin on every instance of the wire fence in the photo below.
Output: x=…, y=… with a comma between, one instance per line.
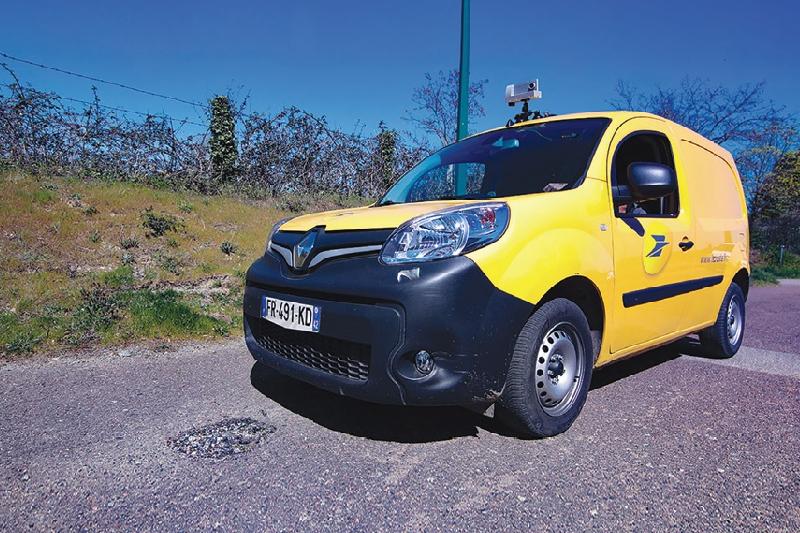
x=292, y=151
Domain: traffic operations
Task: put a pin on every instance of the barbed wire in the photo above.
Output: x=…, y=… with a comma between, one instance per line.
x=106, y=82
x=241, y=114
x=181, y=121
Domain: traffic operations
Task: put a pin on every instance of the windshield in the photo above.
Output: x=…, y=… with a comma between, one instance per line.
x=546, y=157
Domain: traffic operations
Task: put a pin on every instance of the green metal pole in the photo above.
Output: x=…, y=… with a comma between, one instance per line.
x=463, y=75
x=462, y=116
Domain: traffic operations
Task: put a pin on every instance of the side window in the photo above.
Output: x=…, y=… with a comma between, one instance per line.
x=645, y=147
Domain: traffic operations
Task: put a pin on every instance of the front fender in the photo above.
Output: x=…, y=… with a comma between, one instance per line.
x=551, y=237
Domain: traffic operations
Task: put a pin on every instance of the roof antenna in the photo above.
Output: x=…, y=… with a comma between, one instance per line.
x=524, y=92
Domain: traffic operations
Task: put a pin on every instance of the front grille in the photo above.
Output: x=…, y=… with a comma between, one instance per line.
x=334, y=356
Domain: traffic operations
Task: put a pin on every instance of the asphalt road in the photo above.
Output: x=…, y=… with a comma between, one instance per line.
x=666, y=441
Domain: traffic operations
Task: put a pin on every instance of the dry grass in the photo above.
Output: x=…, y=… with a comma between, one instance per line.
x=55, y=231
x=58, y=236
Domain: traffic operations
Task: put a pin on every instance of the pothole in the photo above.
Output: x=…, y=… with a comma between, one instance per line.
x=231, y=436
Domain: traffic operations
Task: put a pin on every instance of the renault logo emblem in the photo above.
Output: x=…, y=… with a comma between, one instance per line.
x=302, y=250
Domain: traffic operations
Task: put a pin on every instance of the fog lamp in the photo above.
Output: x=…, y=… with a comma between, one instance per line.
x=423, y=362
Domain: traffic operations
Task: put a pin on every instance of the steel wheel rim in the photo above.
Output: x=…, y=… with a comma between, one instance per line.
x=734, y=322
x=558, y=372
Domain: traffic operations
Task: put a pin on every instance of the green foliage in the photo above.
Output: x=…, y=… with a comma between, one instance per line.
x=16, y=337
x=44, y=196
x=185, y=207
x=94, y=237
x=120, y=277
x=158, y=224
x=163, y=314
x=97, y=311
x=222, y=144
x=781, y=192
x=775, y=210
x=23, y=342
x=90, y=210
x=789, y=267
x=228, y=248
x=770, y=268
x=128, y=243
x=788, y=271
x=387, y=155
x=761, y=275
x=169, y=263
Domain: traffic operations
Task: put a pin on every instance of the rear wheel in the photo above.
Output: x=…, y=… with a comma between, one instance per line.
x=724, y=338
x=550, y=371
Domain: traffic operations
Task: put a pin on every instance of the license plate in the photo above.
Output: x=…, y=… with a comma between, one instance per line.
x=290, y=315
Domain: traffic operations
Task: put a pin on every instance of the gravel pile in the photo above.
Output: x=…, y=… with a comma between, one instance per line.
x=232, y=436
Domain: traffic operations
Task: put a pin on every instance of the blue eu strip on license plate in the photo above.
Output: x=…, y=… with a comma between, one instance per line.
x=291, y=315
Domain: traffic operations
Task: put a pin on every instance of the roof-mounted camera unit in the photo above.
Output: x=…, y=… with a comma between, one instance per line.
x=524, y=92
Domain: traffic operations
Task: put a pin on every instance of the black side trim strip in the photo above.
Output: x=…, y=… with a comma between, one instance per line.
x=654, y=294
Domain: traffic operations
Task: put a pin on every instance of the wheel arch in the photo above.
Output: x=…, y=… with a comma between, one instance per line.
x=585, y=294
x=742, y=279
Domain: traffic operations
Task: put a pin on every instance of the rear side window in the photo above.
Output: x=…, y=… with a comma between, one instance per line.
x=644, y=147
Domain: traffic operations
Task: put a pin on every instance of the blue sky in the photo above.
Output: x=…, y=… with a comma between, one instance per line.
x=359, y=61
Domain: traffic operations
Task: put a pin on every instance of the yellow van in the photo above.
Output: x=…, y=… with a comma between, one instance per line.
x=505, y=267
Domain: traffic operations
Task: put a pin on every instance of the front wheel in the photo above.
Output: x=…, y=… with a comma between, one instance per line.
x=550, y=371
x=724, y=338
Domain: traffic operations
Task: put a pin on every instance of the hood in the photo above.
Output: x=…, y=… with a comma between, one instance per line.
x=385, y=217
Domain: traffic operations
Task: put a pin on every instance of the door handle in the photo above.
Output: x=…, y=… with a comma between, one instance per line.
x=685, y=244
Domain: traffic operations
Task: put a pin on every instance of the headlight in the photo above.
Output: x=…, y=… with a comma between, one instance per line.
x=275, y=229
x=446, y=233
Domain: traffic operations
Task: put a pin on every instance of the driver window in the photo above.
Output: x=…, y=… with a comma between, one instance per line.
x=641, y=148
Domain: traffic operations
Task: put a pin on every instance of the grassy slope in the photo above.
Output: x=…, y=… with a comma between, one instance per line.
x=77, y=265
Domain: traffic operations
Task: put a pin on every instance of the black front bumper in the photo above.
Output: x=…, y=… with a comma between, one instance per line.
x=372, y=325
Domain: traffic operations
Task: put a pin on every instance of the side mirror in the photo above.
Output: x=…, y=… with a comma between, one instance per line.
x=649, y=181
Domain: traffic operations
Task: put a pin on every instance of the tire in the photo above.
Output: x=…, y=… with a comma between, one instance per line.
x=723, y=339
x=550, y=371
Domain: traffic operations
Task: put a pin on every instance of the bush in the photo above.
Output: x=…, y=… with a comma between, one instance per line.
x=228, y=248
x=768, y=261
x=97, y=311
x=22, y=342
x=289, y=151
x=170, y=263
x=129, y=243
x=159, y=224
x=760, y=275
